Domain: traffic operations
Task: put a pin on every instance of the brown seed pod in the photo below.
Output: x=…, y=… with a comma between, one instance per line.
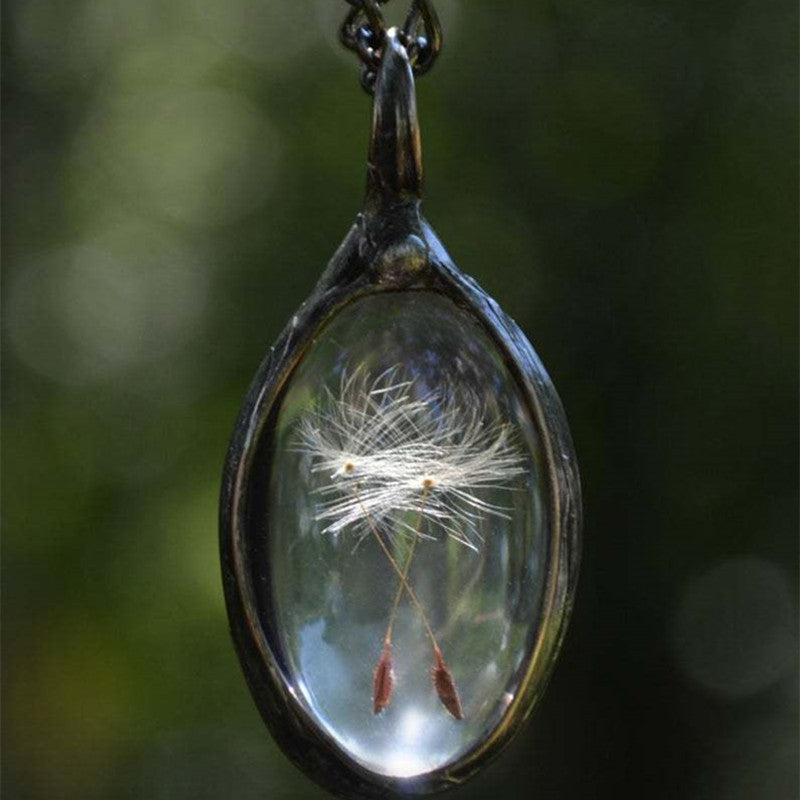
x=446, y=688
x=384, y=681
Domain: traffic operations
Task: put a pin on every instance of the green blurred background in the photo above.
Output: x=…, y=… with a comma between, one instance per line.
x=176, y=175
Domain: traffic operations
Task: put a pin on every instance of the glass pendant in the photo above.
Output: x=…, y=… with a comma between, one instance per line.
x=401, y=505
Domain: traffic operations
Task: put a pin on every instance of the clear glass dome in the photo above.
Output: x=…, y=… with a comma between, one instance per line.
x=405, y=491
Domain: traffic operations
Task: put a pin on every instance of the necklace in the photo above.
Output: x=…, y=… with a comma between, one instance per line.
x=400, y=511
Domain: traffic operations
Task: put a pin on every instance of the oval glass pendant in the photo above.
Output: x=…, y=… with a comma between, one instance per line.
x=401, y=506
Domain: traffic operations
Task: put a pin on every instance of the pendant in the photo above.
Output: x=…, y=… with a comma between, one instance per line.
x=401, y=505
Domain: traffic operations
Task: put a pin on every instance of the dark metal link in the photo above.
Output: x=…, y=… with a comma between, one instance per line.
x=364, y=31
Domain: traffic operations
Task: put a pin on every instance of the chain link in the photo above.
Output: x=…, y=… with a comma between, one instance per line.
x=364, y=31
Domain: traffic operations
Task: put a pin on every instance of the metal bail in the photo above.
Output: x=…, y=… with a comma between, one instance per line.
x=395, y=154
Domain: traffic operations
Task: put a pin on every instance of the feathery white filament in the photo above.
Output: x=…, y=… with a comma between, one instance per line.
x=378, y=446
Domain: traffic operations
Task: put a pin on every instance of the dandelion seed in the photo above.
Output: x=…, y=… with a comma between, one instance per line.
x=382, y=454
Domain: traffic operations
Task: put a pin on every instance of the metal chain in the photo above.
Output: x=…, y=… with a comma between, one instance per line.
x=364, y=32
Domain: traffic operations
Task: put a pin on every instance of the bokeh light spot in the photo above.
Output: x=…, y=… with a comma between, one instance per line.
x=734, y=631
x=198, y=156
x=87, y=313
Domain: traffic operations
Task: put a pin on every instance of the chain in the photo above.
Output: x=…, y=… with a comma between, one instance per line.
x=364, y=31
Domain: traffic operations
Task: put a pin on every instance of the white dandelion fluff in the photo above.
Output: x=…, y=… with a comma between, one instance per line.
x=384, y=453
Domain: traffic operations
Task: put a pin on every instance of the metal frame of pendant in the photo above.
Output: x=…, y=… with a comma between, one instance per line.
x=390, y=248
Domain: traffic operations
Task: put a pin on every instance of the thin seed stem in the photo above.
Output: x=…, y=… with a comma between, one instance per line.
x=404, y=579
x=400, y=574
x=384, y=680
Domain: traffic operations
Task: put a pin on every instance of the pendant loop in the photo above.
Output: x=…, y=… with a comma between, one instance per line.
x=394, y=174
x=364, y=32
